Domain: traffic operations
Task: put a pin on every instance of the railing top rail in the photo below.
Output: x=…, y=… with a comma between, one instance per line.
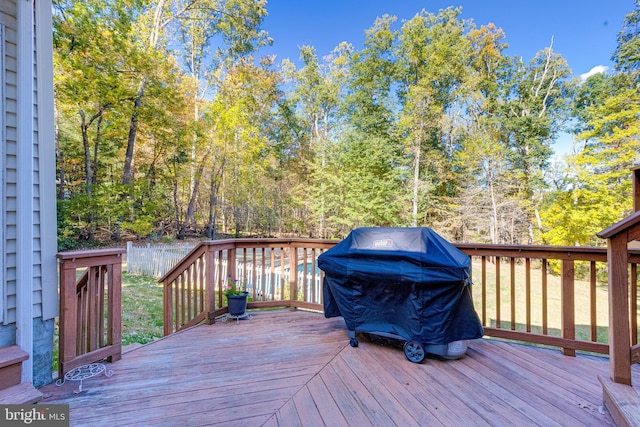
x=90, y=258
x=91, y=253
x=186, y=260
x=217, y=245
x=577, y=253
x=624, y=225
x=532, y=248
x=241, y=242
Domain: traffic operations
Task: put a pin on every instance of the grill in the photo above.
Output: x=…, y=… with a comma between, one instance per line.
x=408, y=284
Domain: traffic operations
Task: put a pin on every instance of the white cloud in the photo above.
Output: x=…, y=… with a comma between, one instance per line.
x=595, y=70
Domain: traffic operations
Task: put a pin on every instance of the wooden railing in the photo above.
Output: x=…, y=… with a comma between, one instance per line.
x=519, y=291
x=90, y=307
x=623, y=287
x=193, y=289
x=540, y=283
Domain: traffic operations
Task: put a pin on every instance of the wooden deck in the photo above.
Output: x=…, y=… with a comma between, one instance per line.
x=284, y=368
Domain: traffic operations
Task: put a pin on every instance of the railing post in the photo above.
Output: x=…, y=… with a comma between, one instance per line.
x=619, y=350
x=231, y=265
x=68, y=317
x=636, y=188
x=210, y=283
x=114, y=328
x=167, y=306
x=568, y=305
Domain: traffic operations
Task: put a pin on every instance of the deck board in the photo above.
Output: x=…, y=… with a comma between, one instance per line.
x=327, y=407
x=286, y=368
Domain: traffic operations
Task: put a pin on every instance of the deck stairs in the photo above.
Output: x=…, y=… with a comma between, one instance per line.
x=12, y=391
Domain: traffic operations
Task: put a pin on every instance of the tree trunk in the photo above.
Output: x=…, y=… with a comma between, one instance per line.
x=96, y=145
x=89, y=173
x=59, y=157
x=127, y=172
x=416, y=184
x=493, y=228
x=87, y=154
x=216, y=180
x=158, y=26
x=189, y=218
x=176, y=210
x=416, y=174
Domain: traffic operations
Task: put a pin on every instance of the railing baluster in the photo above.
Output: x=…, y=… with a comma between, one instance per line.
x=102, y=281
x=282, y=282
x=484, y=290
x=568, y=305
x=545, y=305
x=167, y=306
x=210, y=265
x=220, y=278
x=498, y=302
x=527, y=267
x=633, y=303
x=188, y=302
x=305, y=292
x=272, y=274
x=314, y=263
x=180, y=302
x=254, y=273
x=512, y=291
x=293, y=275
x=592, y=301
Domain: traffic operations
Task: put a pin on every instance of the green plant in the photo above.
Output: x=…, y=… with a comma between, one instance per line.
x=233, y=288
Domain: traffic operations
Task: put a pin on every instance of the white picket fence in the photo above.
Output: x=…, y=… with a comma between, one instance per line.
x=154, y=260
x=267, y=282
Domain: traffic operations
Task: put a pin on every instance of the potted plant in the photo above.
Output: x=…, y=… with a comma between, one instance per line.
x=236, y=298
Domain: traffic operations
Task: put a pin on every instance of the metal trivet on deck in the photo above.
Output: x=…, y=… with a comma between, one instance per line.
x=237, y=318
x=84, y=372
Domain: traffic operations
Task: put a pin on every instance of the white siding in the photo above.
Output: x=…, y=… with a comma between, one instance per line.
x=3, y=297
x=44, y=233
x=46, y=246
x=8, y=162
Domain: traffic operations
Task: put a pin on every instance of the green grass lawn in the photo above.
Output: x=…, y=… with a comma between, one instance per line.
x=142, y=312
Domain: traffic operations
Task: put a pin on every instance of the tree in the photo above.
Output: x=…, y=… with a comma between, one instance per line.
x=368, y=104
x=316, y=95
x=433, y=52
x=362, y=183
x=536, y=104
x=235, y=21
x=481, y=161
x=91, y=51
x=608, y=126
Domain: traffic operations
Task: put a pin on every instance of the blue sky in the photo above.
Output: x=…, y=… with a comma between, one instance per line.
x=584, y=31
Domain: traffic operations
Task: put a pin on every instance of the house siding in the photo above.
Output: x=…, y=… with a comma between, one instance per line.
x=42, y=275
x=46, y=242
x=10, y=162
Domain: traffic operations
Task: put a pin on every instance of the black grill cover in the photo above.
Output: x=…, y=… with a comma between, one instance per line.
x=404, y=282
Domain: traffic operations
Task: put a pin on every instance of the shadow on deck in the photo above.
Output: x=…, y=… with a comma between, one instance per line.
x=286, y=368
